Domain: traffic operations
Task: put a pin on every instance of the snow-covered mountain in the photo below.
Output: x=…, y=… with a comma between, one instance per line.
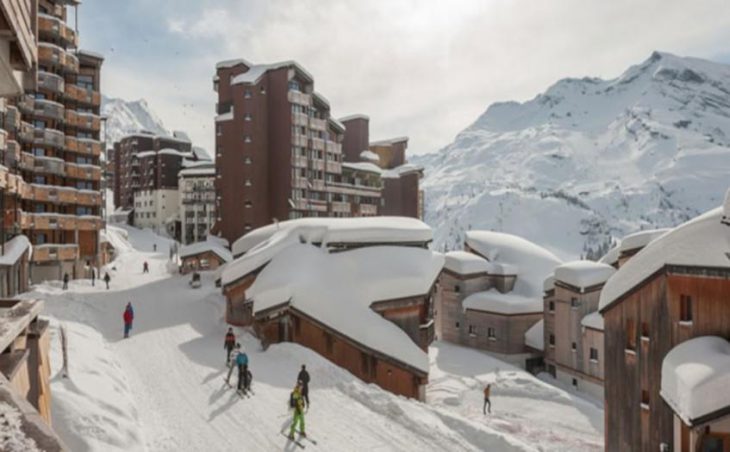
x=125, y=117
x=589, y=159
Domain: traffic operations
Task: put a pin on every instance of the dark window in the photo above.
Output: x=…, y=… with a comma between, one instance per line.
x=456, y=288
x=644, y=397
x=551, y=306
x=575, y=382
x=472, y=329
x=457, y=324
x=685, y=308
x=630, y=334
x=574, y=303
x=551, y=339
x=491, y=333
x=573, y=346
x=645, y=329
x=594, y=354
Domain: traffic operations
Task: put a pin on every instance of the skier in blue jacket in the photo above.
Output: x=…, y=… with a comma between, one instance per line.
x=242, y=363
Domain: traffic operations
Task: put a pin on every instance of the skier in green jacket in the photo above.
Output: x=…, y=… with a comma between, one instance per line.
x=297, y=403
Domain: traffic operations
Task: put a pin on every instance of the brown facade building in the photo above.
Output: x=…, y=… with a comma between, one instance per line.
x=51, y=145
x=671, y=293
x=279, y=151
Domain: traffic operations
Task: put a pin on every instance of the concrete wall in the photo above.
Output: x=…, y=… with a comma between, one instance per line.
x=153, y=208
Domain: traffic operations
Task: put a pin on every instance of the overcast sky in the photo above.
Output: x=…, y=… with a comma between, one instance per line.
x=422, y=68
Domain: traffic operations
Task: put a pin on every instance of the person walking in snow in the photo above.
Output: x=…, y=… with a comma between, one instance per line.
x=65, y=281
x=107, y=278
x=297, y=403
x=128, y=319
x=487, y=390
x=145, y=267
x=228, y=343
x=242, y=363
x=303, y=377
x=154, y=247
x=93, y=276
x=234, y=359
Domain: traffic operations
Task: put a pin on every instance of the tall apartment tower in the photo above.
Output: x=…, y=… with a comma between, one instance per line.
x=53, y=150
x=277, y=146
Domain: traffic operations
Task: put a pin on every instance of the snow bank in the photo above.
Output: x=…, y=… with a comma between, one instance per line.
x=640, y=239
x=337, y=289
x=611, y=256
x=701, y=242
x=363, y=166
x=370, y=156
x=531, y=264
x=465, y=263
x=346, y=230
x=202, y=247
x=12, y=436
x=583, y=274
x=593, y=320
x=534, y=337
x=14, y=249
x=695, y=377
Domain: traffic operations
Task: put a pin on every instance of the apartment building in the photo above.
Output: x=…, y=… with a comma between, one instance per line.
x=666, y=325
x=197, y=202
x=51, y=147
x=263, y=174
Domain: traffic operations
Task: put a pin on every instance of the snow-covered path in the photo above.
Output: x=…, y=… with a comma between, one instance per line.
x=162, y=389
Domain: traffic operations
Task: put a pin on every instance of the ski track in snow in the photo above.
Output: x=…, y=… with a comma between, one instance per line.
x=163, y=389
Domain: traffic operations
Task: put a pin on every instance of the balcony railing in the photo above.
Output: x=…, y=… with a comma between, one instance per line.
x=11, y=118
x=55, y=252
x=341, y=207
x=299, y=161
x=300, y=119
x=85, y=172
x=88, y=97
x=89, y=146
x=55, y=28
x=318, y=124
x=317, y=144
x=333, y=167
x=49, y=137
x=333, y=147
x=26, y=104
x=300, y=98
x=25, y=132
x=51, y=82
x=51, y=165
x=3, y=140
x=49, y=109
x=27, y=161
x=89, y=121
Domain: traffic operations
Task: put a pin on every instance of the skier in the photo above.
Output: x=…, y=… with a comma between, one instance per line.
x=242, y=363
x=93, y=276
x=228, y=344
x=107, y=278
x=128, y=319
x=65, y=281
x=145, y=267
x=487, y=390
x=154, y=247
x=297, y=403
x=234, y=359
x=303, y=377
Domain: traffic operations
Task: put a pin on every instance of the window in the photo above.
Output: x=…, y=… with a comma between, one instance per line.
x=491, y=334
x=575, y=382
x=247, y=160
x=551, y=340
x=247, y=94
x=685, y=308
x=551, y=306
x=247, y=117
x=645, y=399
x=457, y=324
x=248, y=204
x=645, y=330
x=594, y=354
x=263, y=90
x=247, y=139
x=219, y=129
x=472, y=330
x=247, y=183
x=456, y=289
x=630, y=335
x=574, y=346
x=574, y=303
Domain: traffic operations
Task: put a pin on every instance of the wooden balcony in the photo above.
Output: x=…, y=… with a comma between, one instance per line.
x=25, y=132
x=70, y=63
x=299, y=161
x=88, y=223
x=71, y=143
x=299, y=119
x=3, y=140
x=333, y=147
x=55, y=252
x=89, y=122
x=49, y=109
x=85, y=172
x=333, y=167
x=72, y=118
x=51, y=165
x=87, y=198
x=49, y=137
x=12, y=118
x=73, y=92
x=55, y=29
x=317, y=144
x=27, y=161
x=317, y=164
x=318, y=124
x=341, y=207
x=88, y=97
x=51, y=82
x=300, y=98
x=26, y=104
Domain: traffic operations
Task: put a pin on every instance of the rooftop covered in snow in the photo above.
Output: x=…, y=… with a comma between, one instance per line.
x=337, y=289
x=640, y=239
x=701, y=242
x=362, y=166
x=389, y=141
x=593, y=320
x=13, y=249
x=402, y=170
x=695, y=378
x=369, y=156
x=363, y=230
x=583, y=274
x=204, y=247
x=465, y=263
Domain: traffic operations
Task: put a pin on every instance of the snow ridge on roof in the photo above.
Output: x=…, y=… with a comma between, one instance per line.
x=389, y=141
x=402, y=170
x=611, y=256
x=257, y=71
x=593, y=320
x=465, y=263
x=700, y=242
x=695, y=377
x=202, y=247
x=640, y=239
x=370, y=156
x=345, y=230
x=231, y=63
x=338, y=289
x=535, y=336
x=363, y=166
x=14, y=249
x=583, y=274
x=354, y=116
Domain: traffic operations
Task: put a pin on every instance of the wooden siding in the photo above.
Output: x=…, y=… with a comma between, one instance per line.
x=191, y=263
x=238, y=312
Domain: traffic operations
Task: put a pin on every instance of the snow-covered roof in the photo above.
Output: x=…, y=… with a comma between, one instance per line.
x=355, y=116
x=317, y=96
x=202, y=154
x=90, y=53
x=337, y=124
x=219, y=240
x=370, y=156
x=465, y=263
x=549, y=283
x=144, y=154
x=198, y=171
x=401, y=170
x=700, y=242
x=256, y=71
x=203, y=247
x=583, y=274
x=593, y=320
x=695, y=377
x=534, y=337
x=388, y=142
x=227, y=116
x=231, y=63
x=337, y=289
x=345, y=230
x=14, y=249
x=611, y=256
x=175, y=152
x=362, y=166
x=640, y=239
x=181, y=135
x=531, y=264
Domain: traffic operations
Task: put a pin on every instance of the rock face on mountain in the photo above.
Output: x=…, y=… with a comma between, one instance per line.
x=125, y=117
x=589, y=160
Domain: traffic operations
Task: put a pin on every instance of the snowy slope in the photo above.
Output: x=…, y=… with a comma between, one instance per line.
x=589, y=159
x=125, y=117
x=162, y=389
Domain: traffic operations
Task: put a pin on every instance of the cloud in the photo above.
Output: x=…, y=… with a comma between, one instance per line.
x=422, y=68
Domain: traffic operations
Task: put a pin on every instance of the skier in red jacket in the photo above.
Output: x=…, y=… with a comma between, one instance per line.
x=128, y=319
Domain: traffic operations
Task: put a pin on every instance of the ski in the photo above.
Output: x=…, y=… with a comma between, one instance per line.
x=295, y=441
x=314, y=442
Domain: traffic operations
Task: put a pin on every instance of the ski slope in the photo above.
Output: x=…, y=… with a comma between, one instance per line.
x=162, y=389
